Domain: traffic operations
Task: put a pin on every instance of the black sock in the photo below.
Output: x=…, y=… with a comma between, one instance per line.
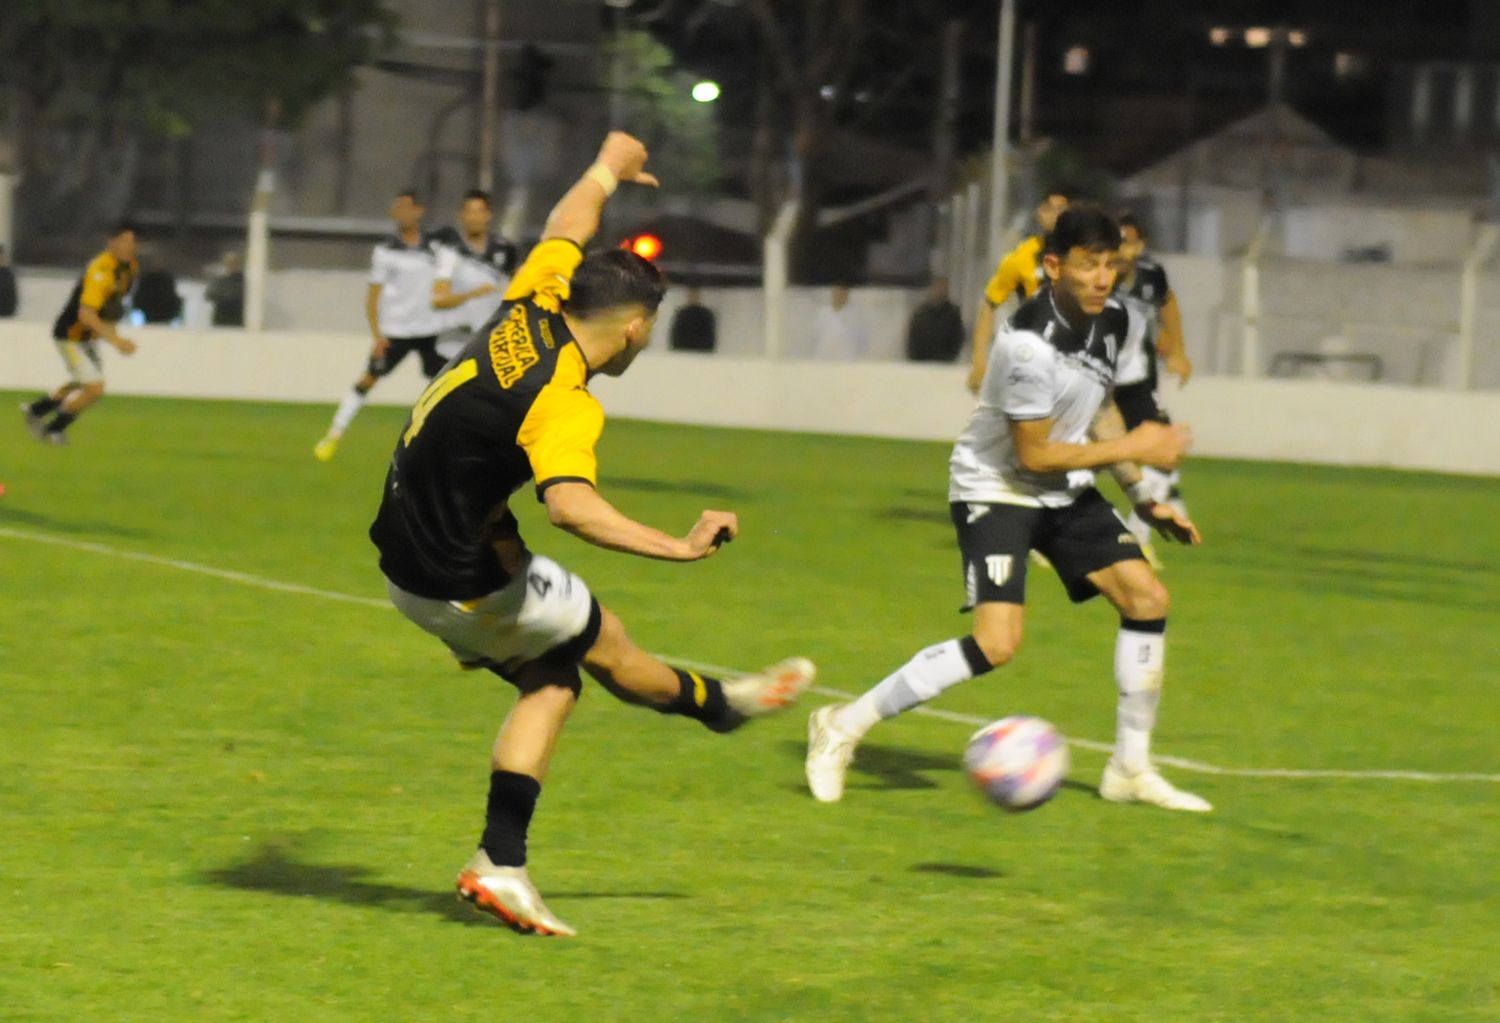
x=701, y=697
x=508, y=816
x=61, y=422
x=43, y=405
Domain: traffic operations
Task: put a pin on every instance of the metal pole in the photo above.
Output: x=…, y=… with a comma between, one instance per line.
x=944, y=147
x=490, y=106
x=999, y=182
x=775, y=275
x=1468, y=302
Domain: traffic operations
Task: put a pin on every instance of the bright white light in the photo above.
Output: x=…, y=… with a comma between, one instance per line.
x=706, y=91
x=1219, y=36
x=1257, y=37
x=1076, y=60
x=1297, y=37
x=827, y=92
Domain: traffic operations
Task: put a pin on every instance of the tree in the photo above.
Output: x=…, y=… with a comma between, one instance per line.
x=680, y=132
x=84, y=80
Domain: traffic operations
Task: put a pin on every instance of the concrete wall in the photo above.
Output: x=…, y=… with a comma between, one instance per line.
x=1305, y=421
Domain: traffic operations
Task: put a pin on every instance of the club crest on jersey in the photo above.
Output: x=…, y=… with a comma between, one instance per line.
x=997, y=567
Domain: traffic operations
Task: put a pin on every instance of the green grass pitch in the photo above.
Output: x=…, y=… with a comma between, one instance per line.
x=226, y=802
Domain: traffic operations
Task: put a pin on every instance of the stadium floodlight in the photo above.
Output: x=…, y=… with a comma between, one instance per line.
x=706, y=91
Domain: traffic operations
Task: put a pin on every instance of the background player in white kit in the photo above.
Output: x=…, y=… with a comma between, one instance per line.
x=473, y=271
x=1021, y=479
x=399, y=309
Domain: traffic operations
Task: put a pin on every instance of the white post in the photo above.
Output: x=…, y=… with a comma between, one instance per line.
x=1250, y=303
x=1468, y=301
x=489, y=108
x=258, y=250
x=999, y=180
x=7, y=212
x=978, y=246
x=777, y=242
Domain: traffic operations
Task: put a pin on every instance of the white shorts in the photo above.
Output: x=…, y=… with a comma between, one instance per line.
x=544, y=610
x=82, y=360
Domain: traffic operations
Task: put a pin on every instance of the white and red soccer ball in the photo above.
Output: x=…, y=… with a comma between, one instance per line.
x=1018, y=762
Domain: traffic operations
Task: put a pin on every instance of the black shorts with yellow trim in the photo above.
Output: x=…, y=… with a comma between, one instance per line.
x=1078, y=539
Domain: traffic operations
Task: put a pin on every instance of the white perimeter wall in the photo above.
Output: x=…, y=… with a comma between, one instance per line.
x=1293, y=420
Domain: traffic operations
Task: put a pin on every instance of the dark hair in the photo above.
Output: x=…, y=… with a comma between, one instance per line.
x=1127, y=219
x=480, y=194
x=1062, y=188
x=121, y=226
x=1082, y=226
x=614, y=278
x=409, y=193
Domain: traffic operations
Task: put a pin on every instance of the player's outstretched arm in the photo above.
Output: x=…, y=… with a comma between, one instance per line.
x=1155, y=444
x=579, y=509
x=576, y=215
x=100, y=327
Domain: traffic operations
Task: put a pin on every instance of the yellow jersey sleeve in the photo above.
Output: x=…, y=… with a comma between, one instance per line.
x=98, y=282
x=559, y=434
x=1016, y=270
x=547, y=274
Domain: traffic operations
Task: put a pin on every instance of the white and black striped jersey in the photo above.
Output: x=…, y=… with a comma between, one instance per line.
x=1039, y=368
x=1144, y=296
x=405, y=274
x=467, y=269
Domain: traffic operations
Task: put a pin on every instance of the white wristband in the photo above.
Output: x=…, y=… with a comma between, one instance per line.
x=603, y=177
x=1142, y=492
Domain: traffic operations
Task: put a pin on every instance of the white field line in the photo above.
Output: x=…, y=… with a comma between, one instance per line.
x=1181, y=763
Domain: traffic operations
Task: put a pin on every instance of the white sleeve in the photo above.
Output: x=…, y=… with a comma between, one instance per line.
x=1020, y=380
x=380, y=267
x=447, y=263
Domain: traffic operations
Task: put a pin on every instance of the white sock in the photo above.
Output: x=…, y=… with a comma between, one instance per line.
x=917, y=681
x=348, y=409
x=1139, y=659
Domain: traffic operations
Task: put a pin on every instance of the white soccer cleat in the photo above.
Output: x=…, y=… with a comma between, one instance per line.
x=775, y=688
x=507, y=894
x=1148, y=786
x=829, y=752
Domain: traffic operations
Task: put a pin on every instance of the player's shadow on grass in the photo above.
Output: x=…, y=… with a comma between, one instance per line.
x=276, y=871
x=697, y=488
x=888, y=767
x=937, y=516
x=957, y=870
x=87, y=527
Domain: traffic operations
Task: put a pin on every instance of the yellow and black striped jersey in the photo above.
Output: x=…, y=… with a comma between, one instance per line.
x=103, y=287
x=513, y=405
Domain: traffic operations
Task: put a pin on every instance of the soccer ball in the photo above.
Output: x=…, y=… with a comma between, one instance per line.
x=1018, y=762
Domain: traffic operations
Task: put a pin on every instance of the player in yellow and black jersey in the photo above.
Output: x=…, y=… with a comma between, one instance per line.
x=511, y=407
x=91, y=312
x=1020, y=271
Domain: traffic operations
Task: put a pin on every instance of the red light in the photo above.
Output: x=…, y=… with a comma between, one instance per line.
x=647, y=246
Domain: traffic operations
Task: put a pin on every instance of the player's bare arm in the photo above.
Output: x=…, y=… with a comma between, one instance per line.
x=444, y=297
x=1109, y=425
x=1152, y=443
x=984, y=336
x=579, y=509
x=100, y=327
x=576, y=215
x=1170, y=344
x=372, y=315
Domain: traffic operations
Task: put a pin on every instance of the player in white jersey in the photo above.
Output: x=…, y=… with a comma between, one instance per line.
x=399, y=309
x=1022, y=479
x=473, y=271
x=1142, y=285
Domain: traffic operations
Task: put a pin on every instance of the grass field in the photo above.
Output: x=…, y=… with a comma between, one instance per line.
x=224, y=801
